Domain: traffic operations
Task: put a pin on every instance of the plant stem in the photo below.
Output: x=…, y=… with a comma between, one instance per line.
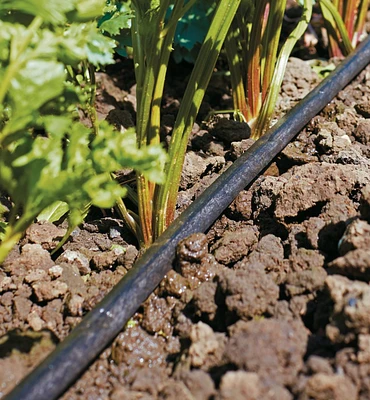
x=90, y=77
x=360, y=22
x=147, y=49
x=254, y=66
x=270, y=44
x=236, y=70
x=130, y=221
x=152, y=43
x=268, y=106
x=349, y=17
x=166, y=194
x=340, y=43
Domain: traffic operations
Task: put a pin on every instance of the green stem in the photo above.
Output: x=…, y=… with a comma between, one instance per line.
x=268, y=106
x=270, y=43
x=166, y=194
x=165, y=47
x=349, y=17
x=146, y=55
x=360, y=22
x=340, y=42
x=236, y=71
x=254, y=64
x=152, y=50
x=90, y=71
x=130, y=221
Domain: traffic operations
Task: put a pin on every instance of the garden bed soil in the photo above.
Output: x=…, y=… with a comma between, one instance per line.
x=272, y=303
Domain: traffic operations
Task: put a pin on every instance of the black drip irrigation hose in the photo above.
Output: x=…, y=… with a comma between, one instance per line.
x=100, y=326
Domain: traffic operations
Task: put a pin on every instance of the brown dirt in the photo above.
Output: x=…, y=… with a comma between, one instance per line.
x=271, y=303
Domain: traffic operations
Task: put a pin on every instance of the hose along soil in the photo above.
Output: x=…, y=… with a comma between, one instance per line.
x=62, y=367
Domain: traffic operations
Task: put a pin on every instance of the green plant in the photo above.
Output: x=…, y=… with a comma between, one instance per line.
x=257, y=62
x=49, y=161
x=345, y=24
x=153, y=28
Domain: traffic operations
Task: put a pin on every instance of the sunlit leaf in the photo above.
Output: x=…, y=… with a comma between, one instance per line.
x=38, y=82
x=54, y=212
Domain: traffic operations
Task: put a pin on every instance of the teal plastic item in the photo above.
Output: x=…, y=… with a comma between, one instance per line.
x=190, y=32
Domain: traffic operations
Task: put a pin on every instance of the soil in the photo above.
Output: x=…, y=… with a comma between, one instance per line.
x=272, y=303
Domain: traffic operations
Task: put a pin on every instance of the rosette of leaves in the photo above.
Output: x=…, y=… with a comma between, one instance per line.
x=48, y=159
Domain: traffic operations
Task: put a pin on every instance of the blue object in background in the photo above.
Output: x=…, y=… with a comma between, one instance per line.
x=190, y=31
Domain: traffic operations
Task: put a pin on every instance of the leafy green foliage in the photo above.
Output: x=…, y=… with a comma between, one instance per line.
x=48, y=159
x=36, y=172
x=117, y=17
x=111, y=150
x=116, y=23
